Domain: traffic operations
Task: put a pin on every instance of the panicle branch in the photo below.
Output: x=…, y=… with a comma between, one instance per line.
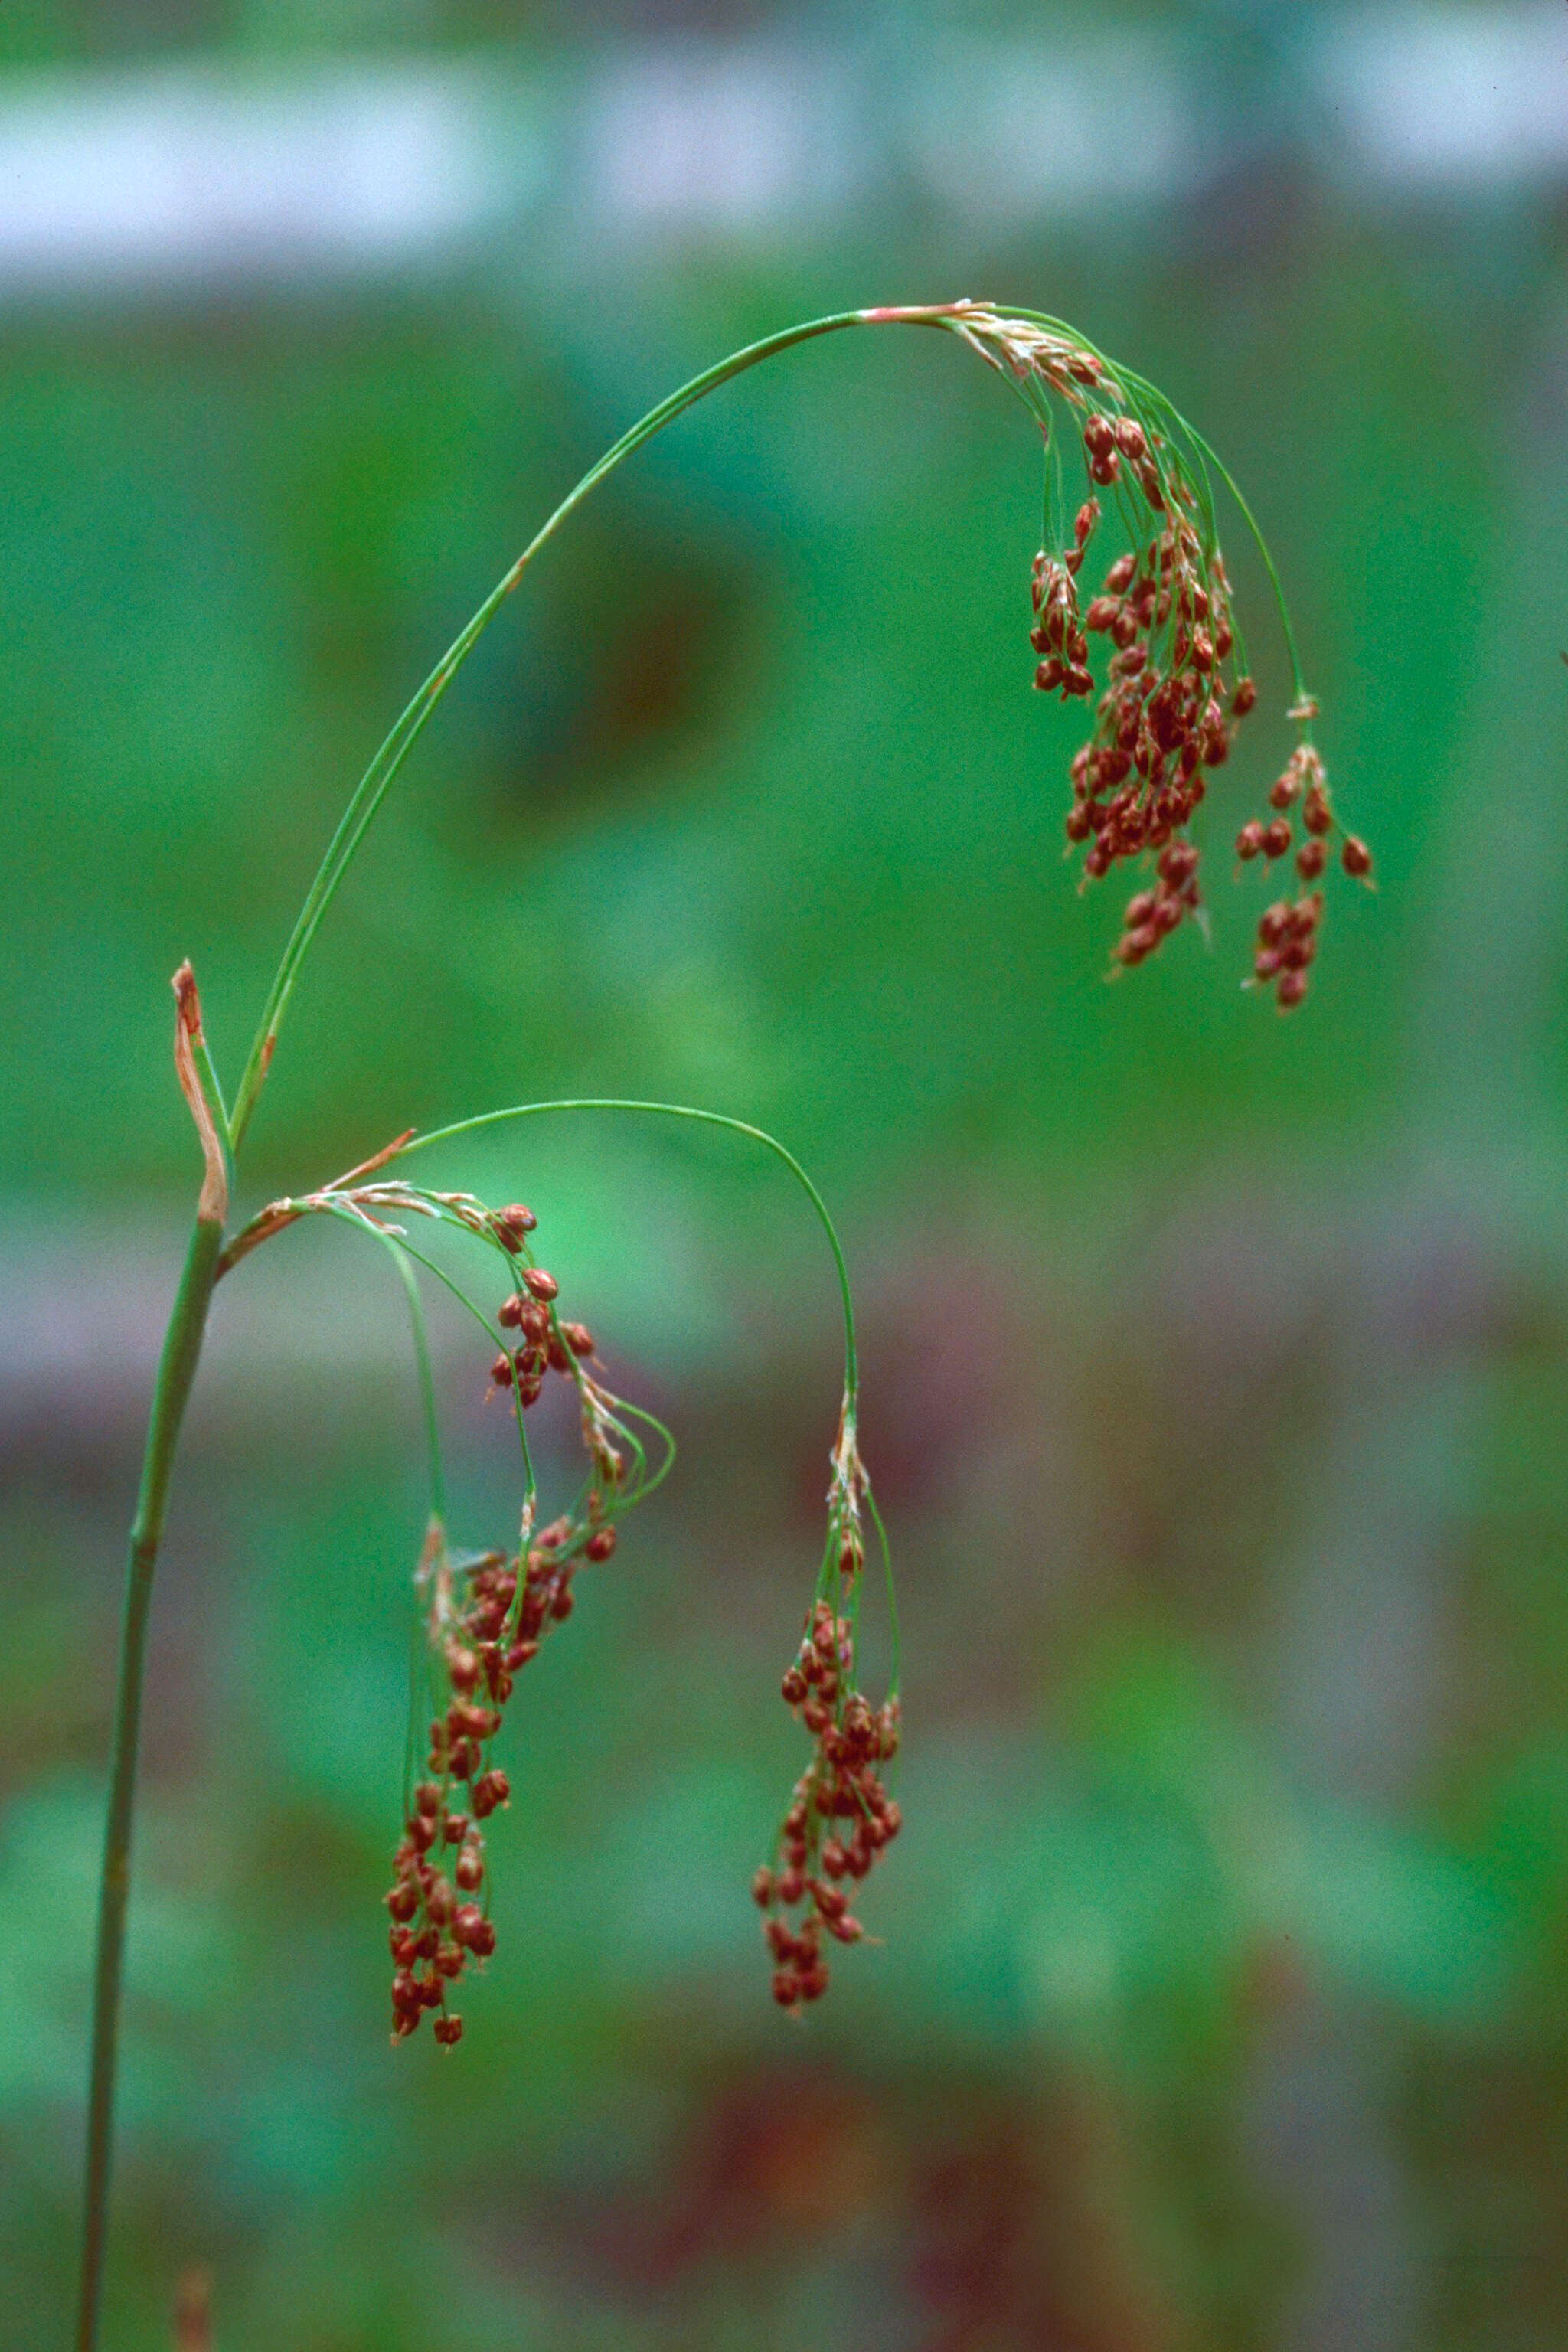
x=841, y=1817
x=1177, y=684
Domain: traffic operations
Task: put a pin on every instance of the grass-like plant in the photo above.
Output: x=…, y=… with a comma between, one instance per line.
x=1176, y=687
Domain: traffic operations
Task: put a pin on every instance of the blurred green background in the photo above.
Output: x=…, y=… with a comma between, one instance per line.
x=1216, y=1366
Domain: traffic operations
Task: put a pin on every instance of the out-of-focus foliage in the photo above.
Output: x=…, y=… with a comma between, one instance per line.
x=1215, y=1364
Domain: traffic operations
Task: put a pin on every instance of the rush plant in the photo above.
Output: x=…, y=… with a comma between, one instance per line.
x=1174, y=689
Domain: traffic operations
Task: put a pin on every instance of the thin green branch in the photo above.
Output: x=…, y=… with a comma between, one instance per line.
x=1206, y=450
x=372, y=788
x=705, y=1118
x=410, y=1282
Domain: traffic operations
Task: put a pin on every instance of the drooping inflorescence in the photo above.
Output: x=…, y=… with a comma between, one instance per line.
x=1177, y=684
x=485, y=1619
x=840, y=1817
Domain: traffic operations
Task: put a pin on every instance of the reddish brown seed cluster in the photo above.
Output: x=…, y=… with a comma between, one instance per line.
x=487, y=1637
x=486, y=1621
x=512, y=1225
x=1153, y=914
x=840, y=1816
x=1177, y=685
x=1287, y=945
x=1108, y=440
x=1287, y=933
x=1168, y=711
x=1057, y=633
x=437, y=1925
x=545, y=1343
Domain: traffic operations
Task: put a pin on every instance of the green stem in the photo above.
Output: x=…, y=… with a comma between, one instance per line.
x=705, y=1118
x=372, y=788
x=176, y=1371
x=1228, y=479
x=410, y=1282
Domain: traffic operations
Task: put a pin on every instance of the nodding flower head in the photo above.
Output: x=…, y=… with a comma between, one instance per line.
x=841, y=1817
x=485, y=1616
x=1176, y=685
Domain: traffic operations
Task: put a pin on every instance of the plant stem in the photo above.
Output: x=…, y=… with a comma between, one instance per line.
x=371, y=787
x=705, y=1118
x=176, y=1371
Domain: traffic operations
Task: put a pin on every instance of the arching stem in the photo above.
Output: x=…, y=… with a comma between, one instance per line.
x=372, y=788
x=705, y=1118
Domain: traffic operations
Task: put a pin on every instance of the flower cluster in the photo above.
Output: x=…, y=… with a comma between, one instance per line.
x=840, y=1815
x=1177, y=684
x=1173, y=695
x=1287, y=932
x=486, y=1618
x=438, y=1922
